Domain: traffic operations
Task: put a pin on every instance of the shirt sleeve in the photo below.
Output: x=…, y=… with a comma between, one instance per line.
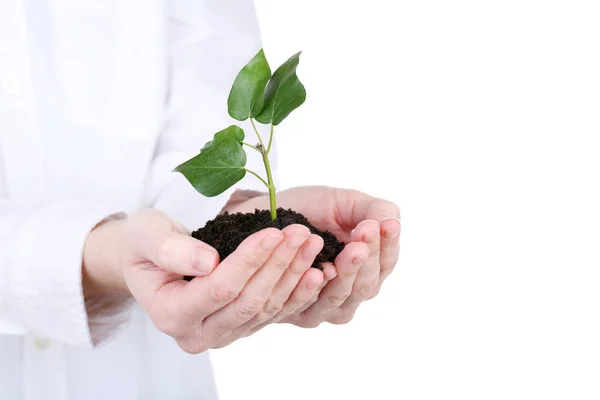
x=40, y=269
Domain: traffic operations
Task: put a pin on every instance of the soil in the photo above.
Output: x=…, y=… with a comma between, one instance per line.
x=227, y=231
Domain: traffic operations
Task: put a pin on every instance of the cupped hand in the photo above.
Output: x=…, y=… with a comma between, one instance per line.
x=371, y=229
x=268, y=275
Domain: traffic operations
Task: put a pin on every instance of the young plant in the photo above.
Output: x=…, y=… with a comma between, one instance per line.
x=261, y=97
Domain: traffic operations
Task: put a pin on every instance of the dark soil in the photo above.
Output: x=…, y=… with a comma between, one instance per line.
x=227, y=231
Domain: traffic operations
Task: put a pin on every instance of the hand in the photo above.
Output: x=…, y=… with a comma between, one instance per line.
x=269, y=272
x=370, y=226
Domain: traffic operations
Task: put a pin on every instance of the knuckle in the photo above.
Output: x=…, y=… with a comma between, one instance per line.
x=271, y=308
x=375, y=292
x=251, y=260
x=335, y=301
x=283, y=315
x=348, y=273
x=364, y=290
x=216, y=334
x=385, y=272
x=226, y=340
x=220, y=295
x=281, y=264
x=249, y=307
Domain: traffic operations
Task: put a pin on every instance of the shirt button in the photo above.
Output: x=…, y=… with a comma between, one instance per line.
x=41, y=343
x=11, y=86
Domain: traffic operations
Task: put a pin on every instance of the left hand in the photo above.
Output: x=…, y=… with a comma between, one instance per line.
x=371, y=229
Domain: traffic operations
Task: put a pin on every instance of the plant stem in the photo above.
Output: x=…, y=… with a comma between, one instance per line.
x=252, y=146
x=270, y=184
x=257, y=134
x=270, y=140
x=259, y=177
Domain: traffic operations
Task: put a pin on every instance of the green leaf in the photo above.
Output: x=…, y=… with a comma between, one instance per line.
x=246, y=97
x=284, y=93
x=233, y=132
x=220, y=164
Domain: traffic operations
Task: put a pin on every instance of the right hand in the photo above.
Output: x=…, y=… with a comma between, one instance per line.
x=269, y=274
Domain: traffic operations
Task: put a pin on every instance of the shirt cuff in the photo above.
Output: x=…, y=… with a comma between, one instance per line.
x=45, y=282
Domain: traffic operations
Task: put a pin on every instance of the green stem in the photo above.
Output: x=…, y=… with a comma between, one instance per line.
x=252, y=146
x=271, y=186
x=257, y=134
x=259, y=177
x=270, y=140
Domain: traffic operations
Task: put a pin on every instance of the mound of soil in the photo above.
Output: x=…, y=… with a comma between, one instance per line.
x=227, y=231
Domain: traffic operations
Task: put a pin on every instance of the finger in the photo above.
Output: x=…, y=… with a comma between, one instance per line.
x=390, y=246
x=368, y=276
x=204, y=296
x=288, y=283
x=259, y=288
x=304, y=291
x=354, y=207
x=308, y=287
x=311, y=300
x=329, y=273
x=160, y=258
x=184, y=255
x=348, y=263
x=168, y=247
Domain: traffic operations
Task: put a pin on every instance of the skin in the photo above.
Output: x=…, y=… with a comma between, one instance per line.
x=371, y=229
x=267, y=280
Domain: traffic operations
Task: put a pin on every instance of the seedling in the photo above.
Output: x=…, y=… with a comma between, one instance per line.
x=262, y=98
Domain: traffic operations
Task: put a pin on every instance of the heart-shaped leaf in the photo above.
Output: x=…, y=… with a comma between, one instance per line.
x=233, y=132
x=246, y=97
x=284, y=93
x=220, y=164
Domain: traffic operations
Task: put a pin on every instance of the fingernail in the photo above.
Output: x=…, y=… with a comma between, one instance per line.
x=371, y=221
x=204, y=260
x=270, y=242
x=312, y=247
x=394, y=232
x=329, y=272
x=372, y=234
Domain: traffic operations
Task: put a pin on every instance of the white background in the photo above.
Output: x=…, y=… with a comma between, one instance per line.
x=481, y=119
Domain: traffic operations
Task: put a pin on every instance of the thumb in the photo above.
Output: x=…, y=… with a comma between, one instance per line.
x=164, y=244
x=182, y=254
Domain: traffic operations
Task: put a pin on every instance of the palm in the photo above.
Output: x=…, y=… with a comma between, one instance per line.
x=320, y=205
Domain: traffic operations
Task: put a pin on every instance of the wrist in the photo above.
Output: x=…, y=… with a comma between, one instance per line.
x=102, y=272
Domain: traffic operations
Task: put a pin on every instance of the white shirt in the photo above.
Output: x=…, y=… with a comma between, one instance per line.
x=99, y=100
